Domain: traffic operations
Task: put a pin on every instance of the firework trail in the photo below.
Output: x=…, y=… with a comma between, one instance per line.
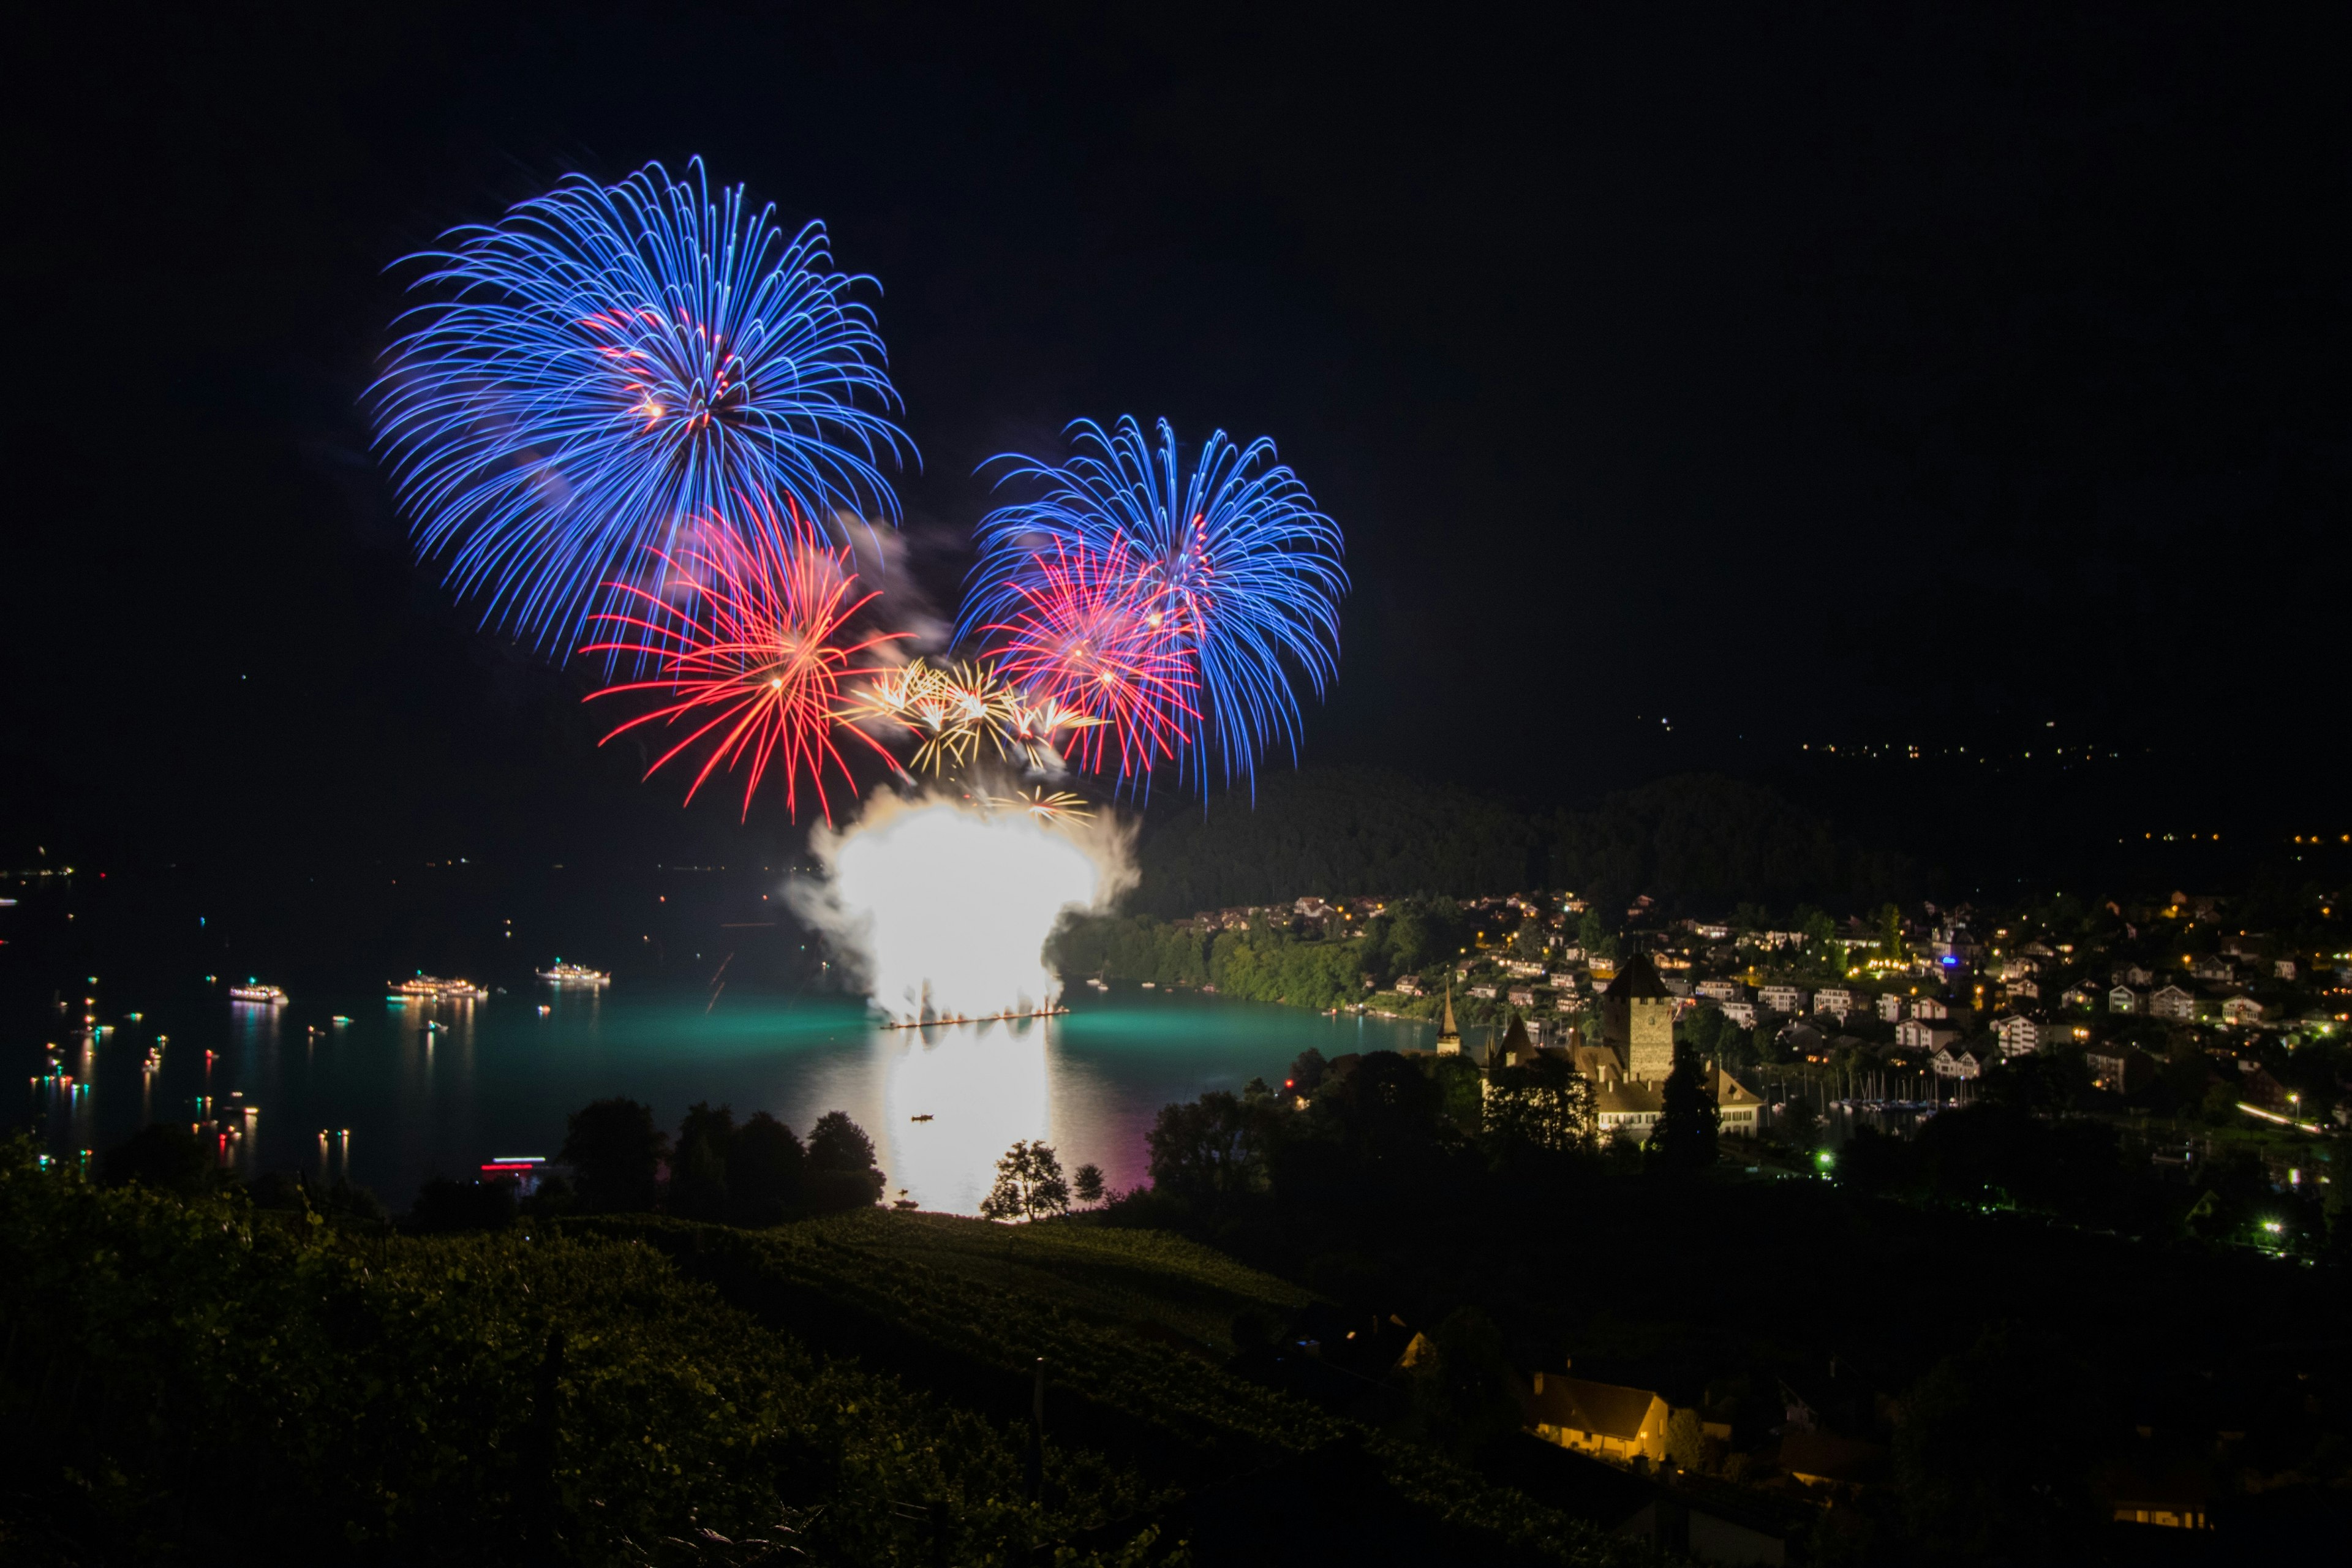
x=752, y=655
x=1244, y=572
x=607, y=363
x=1087, y=638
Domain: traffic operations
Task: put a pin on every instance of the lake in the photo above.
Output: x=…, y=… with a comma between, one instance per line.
x=400, y=1101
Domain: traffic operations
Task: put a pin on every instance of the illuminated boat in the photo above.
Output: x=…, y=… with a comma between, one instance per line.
x=432, y=988
x=575, y=974
x=255, y=991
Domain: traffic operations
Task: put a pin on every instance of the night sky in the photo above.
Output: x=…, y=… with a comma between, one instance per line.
x=1867, y=375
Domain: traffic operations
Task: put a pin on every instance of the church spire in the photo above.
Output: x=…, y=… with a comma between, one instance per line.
x=1449, y=1038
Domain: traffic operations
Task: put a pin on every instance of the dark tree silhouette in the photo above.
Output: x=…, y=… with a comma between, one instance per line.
x=764, y=1166
x=1029, y=1185
x=617, y=1152
x=699, y=1168
x=1689, y=1124
x=840, y=1172
x=165, y=1156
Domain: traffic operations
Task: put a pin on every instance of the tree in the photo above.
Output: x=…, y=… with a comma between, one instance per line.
x=1800, y=1126
x=614, y=1148
x=1086, y=1184
x=840, y=1172
x=1029, y=1185
x=1546, y=1104
x=1689, y=1123
x=1686, y=1439
x=1460, y=1383
x=697, y=1170
x=445, y=1207
x=165, y=1156
x=1205, y=1152
x=764, y=1163
x=1307, y=1072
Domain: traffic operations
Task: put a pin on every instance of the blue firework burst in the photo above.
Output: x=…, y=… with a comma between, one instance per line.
x=1233, y=557
x=608, y=364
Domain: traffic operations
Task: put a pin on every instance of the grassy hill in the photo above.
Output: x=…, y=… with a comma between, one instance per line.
x=190, y=1379
x=1131, y=1329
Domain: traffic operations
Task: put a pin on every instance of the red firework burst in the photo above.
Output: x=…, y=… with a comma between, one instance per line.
x=1090, y=637
x=752, y=653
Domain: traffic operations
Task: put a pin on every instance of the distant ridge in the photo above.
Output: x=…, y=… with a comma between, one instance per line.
x=1693, y=842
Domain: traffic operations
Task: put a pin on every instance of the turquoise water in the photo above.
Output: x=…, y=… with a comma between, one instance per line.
x=398, y=1102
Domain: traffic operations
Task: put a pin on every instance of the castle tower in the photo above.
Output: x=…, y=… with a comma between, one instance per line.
x=1637, y=1017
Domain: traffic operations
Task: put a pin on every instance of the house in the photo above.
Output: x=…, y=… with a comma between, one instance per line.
x=1408, y=985
x=1957, y=1061
x=1838, y=1002
x=1720, y=990
x=1740, y=1013
x=1737, y=1108
x=2124, y=999
x=2260, y=1088
x=1781, y=999
x=1825, y=1459
x=1626, y=1107
x=1520, y=996
x=2242, y=1010
x=2215, y=971
x=1918, y=1034
x=2283, y=969
x=2117, y=1067
x=1890, y=1007
x=2019, y=1034
x=2078, y=996
x=2132, y=974
x=1604, y=1419
x=2025, y=988
x=1929, y=1008
x=2173, y=1002
x=1484, y=993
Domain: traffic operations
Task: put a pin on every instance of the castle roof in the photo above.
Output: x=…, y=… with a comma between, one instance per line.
x=1638, y=979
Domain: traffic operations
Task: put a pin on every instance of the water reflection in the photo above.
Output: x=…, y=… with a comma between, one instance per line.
x=979, y=1087
x=390, y=1095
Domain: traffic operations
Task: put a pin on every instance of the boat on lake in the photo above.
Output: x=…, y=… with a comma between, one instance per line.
x=256, y=991
x=562, y=974
x=433, y=988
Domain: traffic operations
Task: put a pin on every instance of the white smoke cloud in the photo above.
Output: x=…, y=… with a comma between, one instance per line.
x=942, y=907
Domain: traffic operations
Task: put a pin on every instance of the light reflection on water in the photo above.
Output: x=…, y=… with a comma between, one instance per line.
x=497, y=1078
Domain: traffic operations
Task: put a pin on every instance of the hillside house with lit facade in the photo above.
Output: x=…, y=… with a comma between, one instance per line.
x=1604, y=1419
